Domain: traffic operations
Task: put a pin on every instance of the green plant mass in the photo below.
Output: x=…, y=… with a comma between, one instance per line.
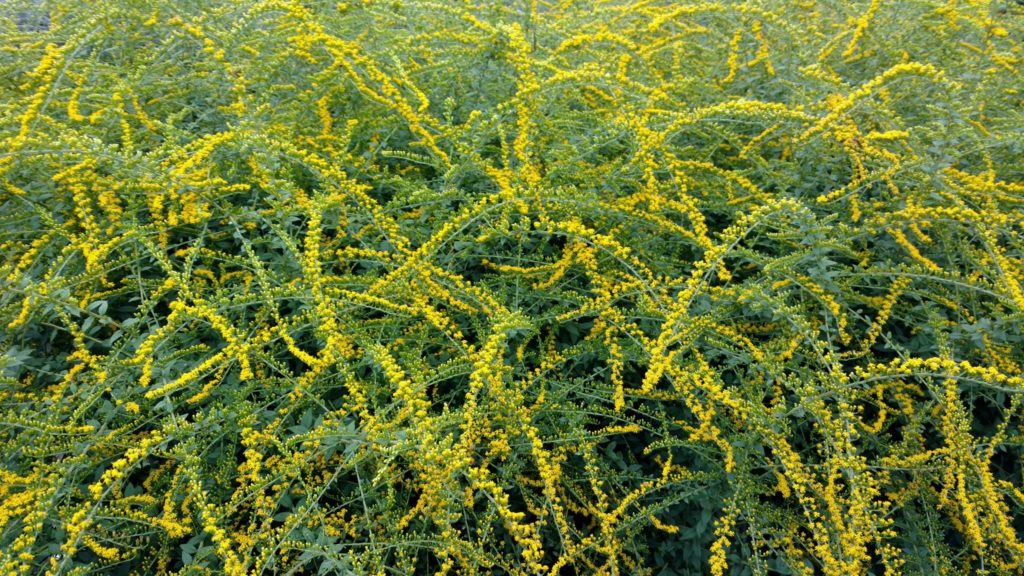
x=548, y=287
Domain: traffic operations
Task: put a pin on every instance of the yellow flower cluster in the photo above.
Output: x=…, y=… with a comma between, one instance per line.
x=113, y=475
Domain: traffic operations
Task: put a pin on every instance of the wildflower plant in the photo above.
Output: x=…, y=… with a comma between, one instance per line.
x=525, y=287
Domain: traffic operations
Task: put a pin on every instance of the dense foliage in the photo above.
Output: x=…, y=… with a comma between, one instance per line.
x=577, y=287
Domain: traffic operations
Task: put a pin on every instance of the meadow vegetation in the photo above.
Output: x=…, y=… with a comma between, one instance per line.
x=572, y=287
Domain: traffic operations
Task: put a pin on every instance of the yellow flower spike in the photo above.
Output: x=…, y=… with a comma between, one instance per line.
x=723, y=530
x=913, y=251
x=415, y=400
x=762, y=48
x=74, y=114
x=526, y=84
x=846, y=103
x=861, y=26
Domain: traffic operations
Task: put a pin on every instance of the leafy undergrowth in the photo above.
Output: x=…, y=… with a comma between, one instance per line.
x=411, y=287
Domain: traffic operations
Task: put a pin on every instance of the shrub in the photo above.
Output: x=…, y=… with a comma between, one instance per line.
x=623, y=287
